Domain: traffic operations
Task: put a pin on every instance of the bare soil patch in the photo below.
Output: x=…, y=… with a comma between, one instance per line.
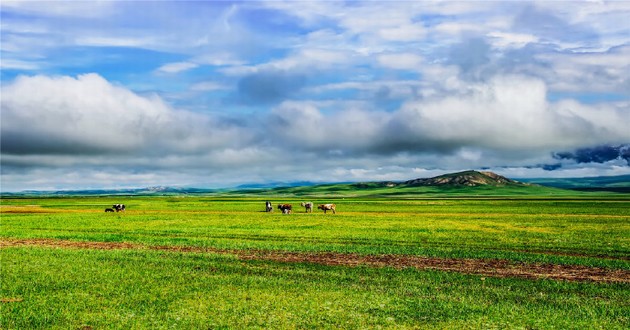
x=486, y=267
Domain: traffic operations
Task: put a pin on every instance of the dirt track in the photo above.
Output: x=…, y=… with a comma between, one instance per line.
x=488, y=267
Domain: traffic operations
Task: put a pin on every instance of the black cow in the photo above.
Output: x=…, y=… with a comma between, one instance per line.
x=268, y=207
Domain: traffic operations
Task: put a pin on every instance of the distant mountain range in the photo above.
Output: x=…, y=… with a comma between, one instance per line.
x=459, y=180
x=115, y=192
x=276, y=185
x=619, y=183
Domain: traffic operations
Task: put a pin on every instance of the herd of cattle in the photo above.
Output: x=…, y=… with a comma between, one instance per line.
x=285, y=208
x=308, y=206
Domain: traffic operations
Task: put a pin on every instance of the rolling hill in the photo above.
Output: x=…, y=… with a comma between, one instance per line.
x=466, y=179
x=467, y=183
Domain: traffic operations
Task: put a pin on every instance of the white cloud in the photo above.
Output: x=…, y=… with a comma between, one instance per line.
x=605, y=71
x=19, y=65
x=177, y=67
x=510, y=40
x=457, y=28
x=122, y=41
x=401, y=61
x=208, y=86
x=409, y=32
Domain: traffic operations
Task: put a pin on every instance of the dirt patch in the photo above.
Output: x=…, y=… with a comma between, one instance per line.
x=486, y=267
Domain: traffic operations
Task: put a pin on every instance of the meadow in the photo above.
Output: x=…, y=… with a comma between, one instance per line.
x=219, y=261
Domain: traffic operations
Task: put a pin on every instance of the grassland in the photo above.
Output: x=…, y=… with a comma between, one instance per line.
x=178, y=262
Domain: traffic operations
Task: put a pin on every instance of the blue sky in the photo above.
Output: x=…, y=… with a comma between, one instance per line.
x=113, y=94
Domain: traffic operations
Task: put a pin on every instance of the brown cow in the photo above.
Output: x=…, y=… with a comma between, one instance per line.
x=327, y=207
x=285, y=208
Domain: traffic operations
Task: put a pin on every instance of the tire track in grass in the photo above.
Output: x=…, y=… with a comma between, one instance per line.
x=486, y=267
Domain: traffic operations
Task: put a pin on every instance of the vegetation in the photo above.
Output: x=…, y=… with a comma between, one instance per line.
x=213, y=286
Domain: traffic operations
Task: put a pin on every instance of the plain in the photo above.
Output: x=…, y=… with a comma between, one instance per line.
x=199, y=262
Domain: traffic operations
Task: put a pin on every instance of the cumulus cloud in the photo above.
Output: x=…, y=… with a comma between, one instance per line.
x=88, y=123
x=508, y=114
x=89, y=115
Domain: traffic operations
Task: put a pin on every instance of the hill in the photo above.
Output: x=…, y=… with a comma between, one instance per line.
x=460, y=184
x=466, y=178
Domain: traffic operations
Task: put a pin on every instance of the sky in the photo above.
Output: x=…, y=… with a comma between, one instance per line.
x=121, y=94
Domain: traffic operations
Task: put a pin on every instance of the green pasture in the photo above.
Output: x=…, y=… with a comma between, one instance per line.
x=522, y=230
x=133, y=289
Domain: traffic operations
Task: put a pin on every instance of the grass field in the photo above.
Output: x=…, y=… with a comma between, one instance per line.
x=221, y=262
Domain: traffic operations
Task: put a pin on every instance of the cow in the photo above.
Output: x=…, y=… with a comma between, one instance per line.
x=308, y=206
x=327, y=207
x=109, y=210
x=285, y=208
x=119, y=207
x=268, y=207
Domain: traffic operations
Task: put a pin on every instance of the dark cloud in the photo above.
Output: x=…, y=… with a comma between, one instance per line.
x=551, y=167
x=269, y=87
x=599, y=154
x=24, y=142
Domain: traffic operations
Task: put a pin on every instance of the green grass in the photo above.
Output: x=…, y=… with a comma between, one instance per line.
x=519, y=230
x=70, y=289
x=134, y=289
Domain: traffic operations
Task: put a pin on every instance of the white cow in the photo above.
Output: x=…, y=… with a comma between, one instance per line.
x=308, y=206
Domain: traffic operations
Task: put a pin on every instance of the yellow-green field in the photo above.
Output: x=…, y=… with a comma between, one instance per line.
x=222, y=262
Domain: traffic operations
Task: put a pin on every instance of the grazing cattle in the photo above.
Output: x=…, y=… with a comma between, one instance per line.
x=268, y=207
x=327, y=207
x=308, y=206
x=109, y=210
x=119, y=207
x=285, y=208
